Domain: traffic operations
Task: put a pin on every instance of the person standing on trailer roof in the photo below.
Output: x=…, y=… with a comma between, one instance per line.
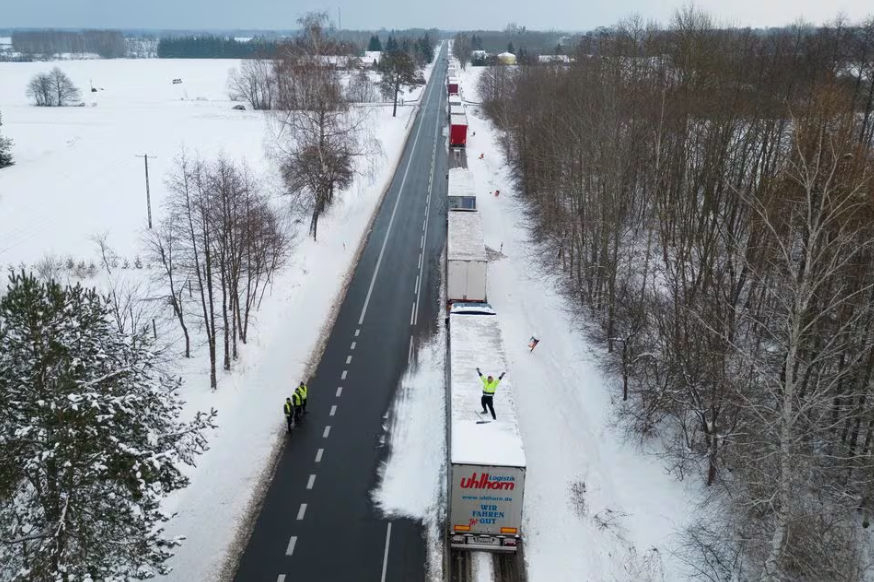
x=490, y=386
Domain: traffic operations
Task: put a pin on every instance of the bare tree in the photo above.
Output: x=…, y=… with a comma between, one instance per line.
x=65, y=92
x=164, y=246
x=39, y=89
x=462, y=48
x=53, y=89
x=318, y=136
x=254, y=82
x=361, y=89
x=222, y=237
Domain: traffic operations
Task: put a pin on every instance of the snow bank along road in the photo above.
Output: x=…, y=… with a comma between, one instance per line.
x=317, y=523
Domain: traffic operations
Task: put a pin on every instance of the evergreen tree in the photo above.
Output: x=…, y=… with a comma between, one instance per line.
x=90, y=439
x=5, y=148
x=398, y=70
x=391, y=45
x=510, y=48
x=374, y=44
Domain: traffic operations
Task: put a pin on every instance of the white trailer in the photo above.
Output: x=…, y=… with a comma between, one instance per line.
x=456, y=110
x=486, y=457
x=466, y=260
x=462, y=190
x=455, y=100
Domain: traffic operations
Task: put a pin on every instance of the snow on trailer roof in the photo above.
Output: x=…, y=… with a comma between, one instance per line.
x=461, y=182
x=475, y=341
x=465, y=241
x=456, y=119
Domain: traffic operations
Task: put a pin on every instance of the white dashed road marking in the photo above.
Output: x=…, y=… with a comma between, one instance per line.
x=339, y=391
x=327, y=432
x=343, y=375
x=348, y=359
x=333, y=410
x=302, y=511
x=312, y=480
x=289, y=551
x=319, y=454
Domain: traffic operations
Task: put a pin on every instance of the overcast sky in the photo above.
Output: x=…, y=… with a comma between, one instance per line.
x=375, y=14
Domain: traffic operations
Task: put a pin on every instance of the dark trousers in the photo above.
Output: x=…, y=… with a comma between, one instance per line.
x=289, y=421
x=486, y=401
x=298, y=411
x=304, y=405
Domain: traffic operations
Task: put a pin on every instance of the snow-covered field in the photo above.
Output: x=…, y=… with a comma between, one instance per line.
x=76, y=175
x=595, y=507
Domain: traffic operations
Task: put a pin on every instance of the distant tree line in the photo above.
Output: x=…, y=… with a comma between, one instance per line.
x=708, y=197
x=214, y=47
x=109, y=44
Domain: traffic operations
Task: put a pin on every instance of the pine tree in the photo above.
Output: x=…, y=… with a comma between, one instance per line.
x=5, y=148
x=391, y=45
x=90, y=439
x=374, y=44
x=510, y=48
x=398, y=69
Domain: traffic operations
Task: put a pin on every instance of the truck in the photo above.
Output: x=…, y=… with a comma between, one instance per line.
x=455, y=100
x=461, y=193
x=487, y=464
x=457, y=131
x=452, y=84
x=466, y=260
x=456, y=110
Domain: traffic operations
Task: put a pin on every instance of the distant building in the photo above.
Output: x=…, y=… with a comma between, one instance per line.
x=559, y=59
x=371, y=58
x=506, y=59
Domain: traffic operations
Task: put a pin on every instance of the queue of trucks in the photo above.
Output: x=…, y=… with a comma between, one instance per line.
x=457, y=115
x=486, y=464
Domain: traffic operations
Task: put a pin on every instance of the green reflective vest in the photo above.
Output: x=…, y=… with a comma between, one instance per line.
x=489, y=388
x=303, y=391
x=287, y=409
x=295, y=398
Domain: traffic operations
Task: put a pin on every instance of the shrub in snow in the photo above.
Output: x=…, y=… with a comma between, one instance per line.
x=5, y=149
x=138, y=262
x=49, y=268
x=90, y=439
x=69, y=264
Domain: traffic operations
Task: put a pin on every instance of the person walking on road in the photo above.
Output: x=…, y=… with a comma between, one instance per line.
x=289, y=414
x=490, y=386
x=302, y=389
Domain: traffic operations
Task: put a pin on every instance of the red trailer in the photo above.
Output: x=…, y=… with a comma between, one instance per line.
x=452, y=83
x=458, y=131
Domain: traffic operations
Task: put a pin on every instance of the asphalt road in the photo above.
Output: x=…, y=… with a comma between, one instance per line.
x=318, y=523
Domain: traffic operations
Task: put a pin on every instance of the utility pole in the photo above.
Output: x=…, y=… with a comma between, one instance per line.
x=148, y=195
